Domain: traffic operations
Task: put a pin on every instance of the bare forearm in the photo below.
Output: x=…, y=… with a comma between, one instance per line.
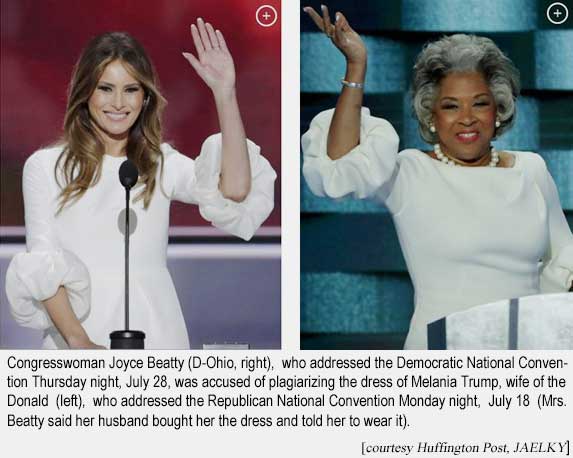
x=344, y=132
x=235, y=182
x=65, y=320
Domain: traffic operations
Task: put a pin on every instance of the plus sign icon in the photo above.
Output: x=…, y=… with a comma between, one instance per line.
x=557, y=13
x=266, y=16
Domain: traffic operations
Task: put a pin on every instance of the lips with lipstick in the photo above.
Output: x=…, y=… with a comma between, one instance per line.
x=469, y=136
x=116, y=116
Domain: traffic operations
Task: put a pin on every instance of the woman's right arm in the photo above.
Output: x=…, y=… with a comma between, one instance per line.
x=47, y=286
x=347, y=152
x=66, y=321
x=344, y=131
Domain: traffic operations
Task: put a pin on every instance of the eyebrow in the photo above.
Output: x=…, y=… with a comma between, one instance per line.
x=475, y=97
x=113, y=85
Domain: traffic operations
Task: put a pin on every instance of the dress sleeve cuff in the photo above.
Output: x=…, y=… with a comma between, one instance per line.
x=34, y=277
x=360, y=172
x=557, y=276
x=238, y=218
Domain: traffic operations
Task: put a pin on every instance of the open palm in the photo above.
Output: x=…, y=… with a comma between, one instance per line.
x=342, y=35
x=214, y=63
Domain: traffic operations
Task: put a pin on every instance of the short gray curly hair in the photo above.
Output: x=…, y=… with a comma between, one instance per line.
x=463, y=53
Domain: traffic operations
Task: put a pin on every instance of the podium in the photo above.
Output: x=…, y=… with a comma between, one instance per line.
x=540, y=322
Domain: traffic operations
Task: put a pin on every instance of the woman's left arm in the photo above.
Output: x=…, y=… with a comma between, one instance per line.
x=557, y=268
x=214, y=64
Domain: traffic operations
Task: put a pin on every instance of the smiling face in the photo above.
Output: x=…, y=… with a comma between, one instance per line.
x=464, y=116
x=116, y=102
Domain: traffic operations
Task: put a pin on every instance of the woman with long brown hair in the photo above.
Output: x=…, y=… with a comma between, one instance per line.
x=70, y=280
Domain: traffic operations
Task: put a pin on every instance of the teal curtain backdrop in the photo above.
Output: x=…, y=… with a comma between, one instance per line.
x=355, y=290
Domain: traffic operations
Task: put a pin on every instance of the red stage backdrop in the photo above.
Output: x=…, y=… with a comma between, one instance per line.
x=41, y=40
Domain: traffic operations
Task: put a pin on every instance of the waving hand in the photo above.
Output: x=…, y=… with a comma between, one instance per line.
x=341, y=34
x=214, y=63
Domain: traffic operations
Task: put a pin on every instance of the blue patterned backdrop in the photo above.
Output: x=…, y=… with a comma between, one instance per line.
x=355, y=290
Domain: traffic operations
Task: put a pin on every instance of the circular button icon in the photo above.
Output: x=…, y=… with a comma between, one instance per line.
x=557, y=13
x=266, y=15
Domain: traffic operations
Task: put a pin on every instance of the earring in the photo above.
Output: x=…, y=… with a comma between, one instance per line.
x=497, y=123
x=146, y=101
x=432, y=128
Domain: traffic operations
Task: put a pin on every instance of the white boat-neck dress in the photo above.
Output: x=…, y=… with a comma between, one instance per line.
x=469, y=235
x=82, y=248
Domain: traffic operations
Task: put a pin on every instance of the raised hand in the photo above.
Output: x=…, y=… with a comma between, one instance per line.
x=214, y=63
x=341, y=34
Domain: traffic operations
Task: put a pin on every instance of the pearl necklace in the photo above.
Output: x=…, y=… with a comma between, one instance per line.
x=449, y=161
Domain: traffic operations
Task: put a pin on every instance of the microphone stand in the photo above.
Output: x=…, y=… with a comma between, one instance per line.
x=127, y=339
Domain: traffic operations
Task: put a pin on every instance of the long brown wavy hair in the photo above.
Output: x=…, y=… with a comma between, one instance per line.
x=80, y=162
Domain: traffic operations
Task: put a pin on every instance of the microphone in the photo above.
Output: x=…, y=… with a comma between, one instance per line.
x=127, y=339
x=128, y=174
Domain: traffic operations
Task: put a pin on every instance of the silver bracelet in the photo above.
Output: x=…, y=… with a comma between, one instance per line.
x=352, y=84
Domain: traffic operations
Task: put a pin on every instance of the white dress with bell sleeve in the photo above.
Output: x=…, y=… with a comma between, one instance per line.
x=469, y=235
x=82, y=247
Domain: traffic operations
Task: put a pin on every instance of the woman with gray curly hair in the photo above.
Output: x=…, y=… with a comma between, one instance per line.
x=456, y=208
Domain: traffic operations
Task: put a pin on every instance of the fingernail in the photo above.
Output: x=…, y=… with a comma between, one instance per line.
x=322, y=7
x=199, y=19
x=336, y=17
x=184, y=54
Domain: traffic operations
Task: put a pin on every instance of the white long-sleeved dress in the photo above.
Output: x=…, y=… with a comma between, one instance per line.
x=469, y=235
x=82, y=248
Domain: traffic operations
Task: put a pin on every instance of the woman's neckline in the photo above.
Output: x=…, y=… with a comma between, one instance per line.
x=514, y=166
x=111, y=158
x=113, y=161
